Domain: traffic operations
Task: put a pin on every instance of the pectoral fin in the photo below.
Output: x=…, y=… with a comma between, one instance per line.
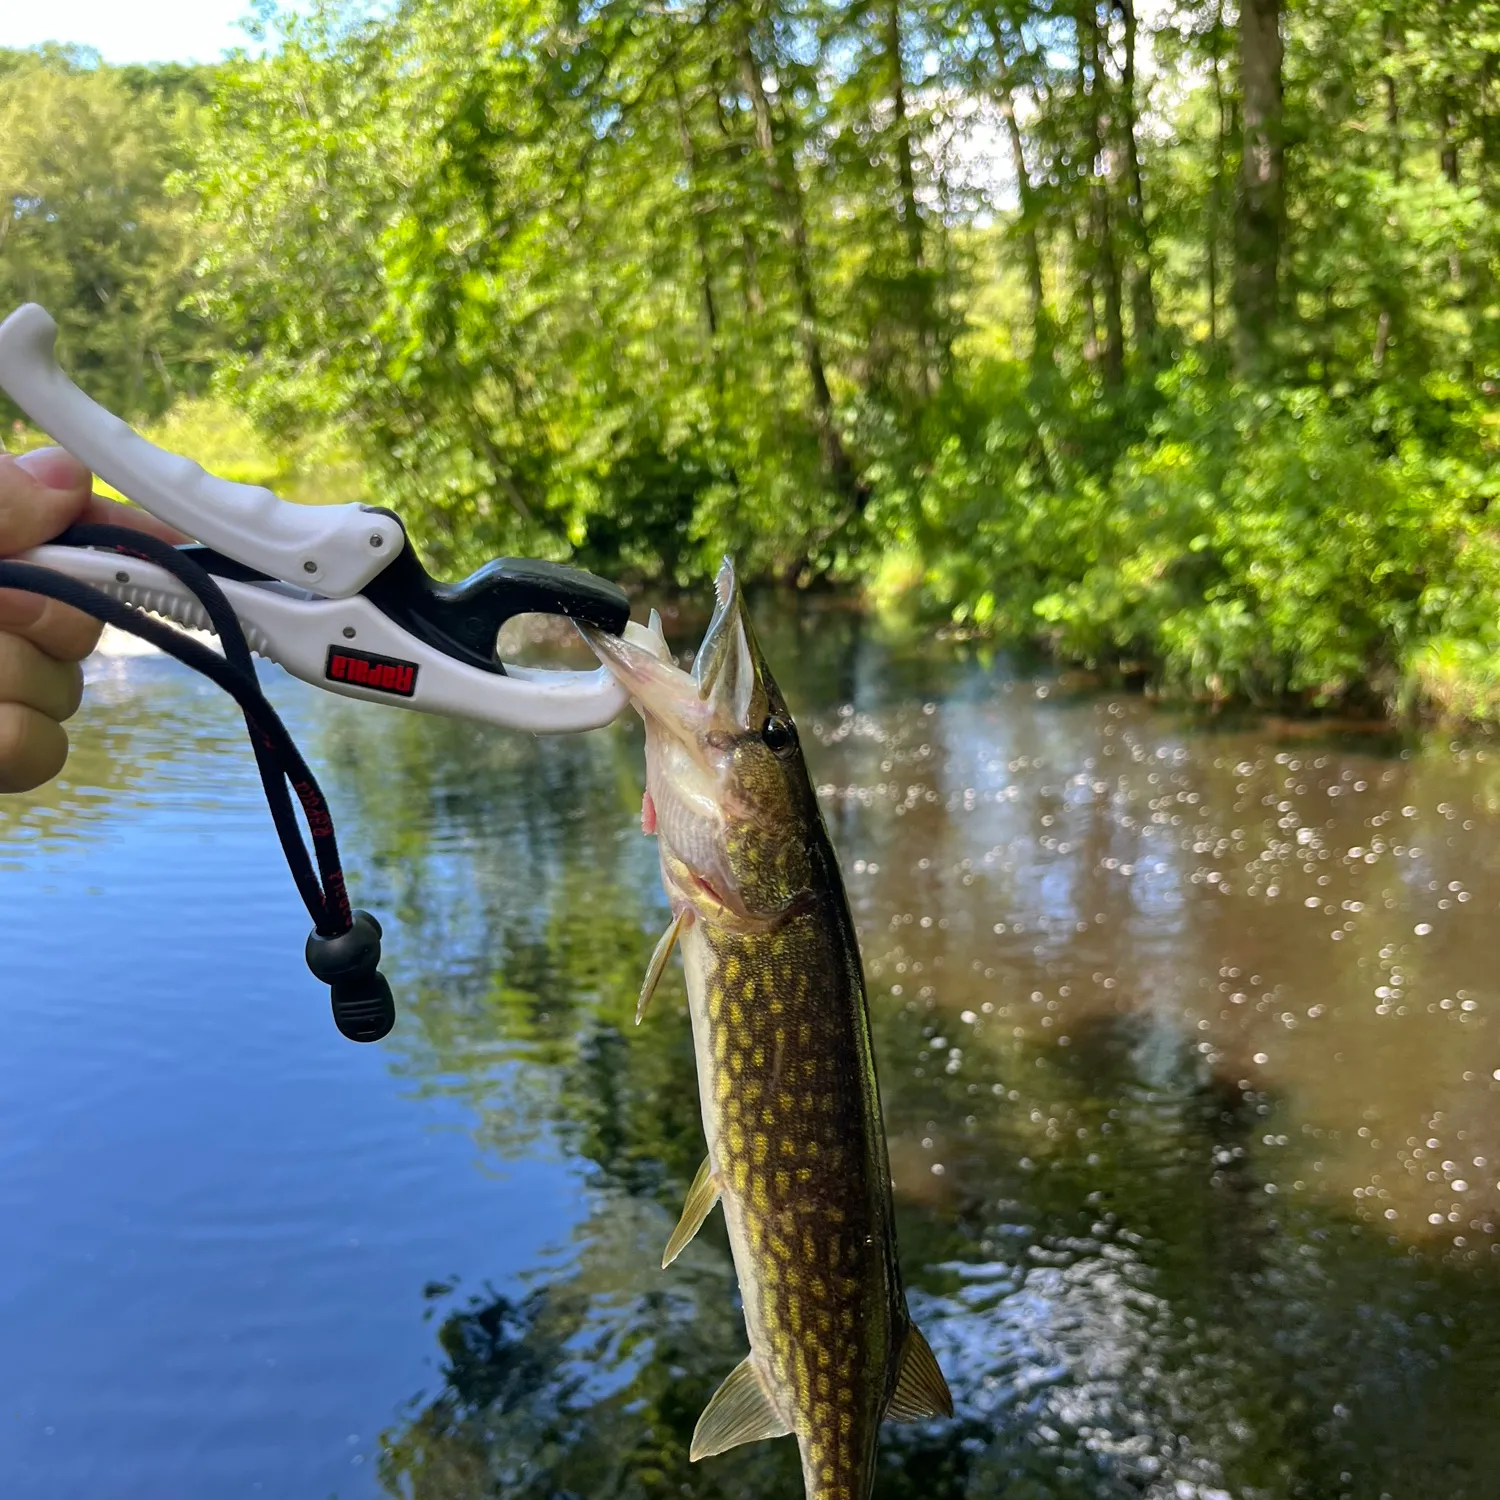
x=921, y=1392
x=701, y=1198
x=658, y=963
x=740, y=1412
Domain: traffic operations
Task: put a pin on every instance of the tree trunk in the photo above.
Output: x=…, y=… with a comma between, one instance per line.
x=1258, y=226
x=1082, y=261
x=1109, y=273
x=754, y=302
x=1041, y=321
x=1392, y=111
x=1142, y=297
x=1449, y=146
x=1448, y=125
x=1042, y=333
x=1101, y=220
x=1393, y=146
x=910, y=217
x=786, y=193
x=699, y=211
x=1216, y=185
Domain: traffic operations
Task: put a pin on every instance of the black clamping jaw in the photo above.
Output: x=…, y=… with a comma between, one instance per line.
x=463, y=620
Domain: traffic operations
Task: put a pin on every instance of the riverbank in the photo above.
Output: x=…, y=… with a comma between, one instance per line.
x=1291, y=548
x=1293, y=552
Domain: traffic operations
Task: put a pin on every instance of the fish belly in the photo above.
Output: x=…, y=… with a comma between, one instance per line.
x=791, y=1116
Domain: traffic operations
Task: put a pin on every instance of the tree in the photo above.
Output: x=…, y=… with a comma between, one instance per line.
x=1259, y=211
x=638, y=284
x=92, y=230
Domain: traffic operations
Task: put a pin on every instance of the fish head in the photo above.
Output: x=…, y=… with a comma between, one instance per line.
x=735, y=810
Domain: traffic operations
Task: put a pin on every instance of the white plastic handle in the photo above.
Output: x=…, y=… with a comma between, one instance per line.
x=332, y=643
x=333, y=549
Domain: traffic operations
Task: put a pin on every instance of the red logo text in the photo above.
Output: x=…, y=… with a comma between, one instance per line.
x=382, y=673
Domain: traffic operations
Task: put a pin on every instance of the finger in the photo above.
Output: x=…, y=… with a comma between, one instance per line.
x=33, y=748
x=29, y=676
x=105, y=512
x=56, y=468
x=69, y=634
x=40, y=494
x=64, y=633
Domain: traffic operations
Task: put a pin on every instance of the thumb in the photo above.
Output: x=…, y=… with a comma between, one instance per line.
x=41, y=493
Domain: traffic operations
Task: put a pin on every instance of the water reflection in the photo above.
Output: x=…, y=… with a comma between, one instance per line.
x=123, y=755
x=1186, y=1037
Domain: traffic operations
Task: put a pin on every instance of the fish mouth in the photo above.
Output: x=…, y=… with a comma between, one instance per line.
x=642, y=663
x=724, y=670
x=682, y=782
x=690, y=718
x=725, y=691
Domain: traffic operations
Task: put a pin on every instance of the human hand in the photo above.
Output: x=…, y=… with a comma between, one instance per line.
x=42, y=642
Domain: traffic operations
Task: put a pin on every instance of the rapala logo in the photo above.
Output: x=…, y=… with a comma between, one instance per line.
x=366, y=671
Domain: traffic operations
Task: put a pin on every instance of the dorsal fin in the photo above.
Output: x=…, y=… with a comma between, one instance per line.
x=701, y=1198
x=921, y=1392
x=740, y=1412
x=658, y=964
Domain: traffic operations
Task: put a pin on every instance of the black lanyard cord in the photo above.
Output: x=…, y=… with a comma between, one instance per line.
x=327, y=903
x=344, y=948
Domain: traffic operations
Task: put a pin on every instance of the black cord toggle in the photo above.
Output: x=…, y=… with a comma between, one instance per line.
x=344, y=947
x=349, y=964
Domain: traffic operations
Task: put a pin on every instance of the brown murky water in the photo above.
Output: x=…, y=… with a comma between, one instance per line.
x=1315, y=920
x=1186, y=1031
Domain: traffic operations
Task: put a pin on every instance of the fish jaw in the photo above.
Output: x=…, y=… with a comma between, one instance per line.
x=726, y=797
x=681, y=804
x=729, y=692
x=730, y=673
x=642, y=663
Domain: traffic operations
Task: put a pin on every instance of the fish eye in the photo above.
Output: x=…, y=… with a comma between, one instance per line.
x=779, y=734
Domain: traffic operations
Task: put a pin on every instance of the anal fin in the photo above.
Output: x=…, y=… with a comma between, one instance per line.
x=921, y=1392
x=658, y=964
x=701, y=1198
x=740, y=1412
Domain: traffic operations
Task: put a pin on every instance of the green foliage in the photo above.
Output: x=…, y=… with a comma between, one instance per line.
x=1262, y=544
x=90, y=229
x=422, y=236
x=934, y=299
x=318, y=469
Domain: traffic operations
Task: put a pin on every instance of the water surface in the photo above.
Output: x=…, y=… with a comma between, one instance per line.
x=1186, y=1034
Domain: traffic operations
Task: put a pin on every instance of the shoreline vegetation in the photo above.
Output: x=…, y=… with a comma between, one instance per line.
x=1168, y=341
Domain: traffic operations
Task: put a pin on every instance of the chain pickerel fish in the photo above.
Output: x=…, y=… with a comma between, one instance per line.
x=791, y=1111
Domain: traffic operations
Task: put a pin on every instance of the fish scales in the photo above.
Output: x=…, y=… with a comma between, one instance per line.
x=790, y=1111
x=786, y=1072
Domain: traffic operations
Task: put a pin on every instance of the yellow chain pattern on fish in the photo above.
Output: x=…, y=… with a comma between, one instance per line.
x=796, y=1152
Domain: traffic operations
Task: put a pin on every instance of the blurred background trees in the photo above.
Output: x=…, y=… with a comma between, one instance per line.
x=93, y=231
x=1168, y=335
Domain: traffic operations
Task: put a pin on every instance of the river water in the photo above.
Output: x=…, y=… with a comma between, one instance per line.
x=1187, y=1033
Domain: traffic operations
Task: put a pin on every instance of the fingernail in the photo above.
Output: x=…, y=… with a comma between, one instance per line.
x=54, y=467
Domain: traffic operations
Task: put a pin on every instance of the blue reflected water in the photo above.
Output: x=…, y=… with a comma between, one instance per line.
x=219, y=1216
x=1188, y=1035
